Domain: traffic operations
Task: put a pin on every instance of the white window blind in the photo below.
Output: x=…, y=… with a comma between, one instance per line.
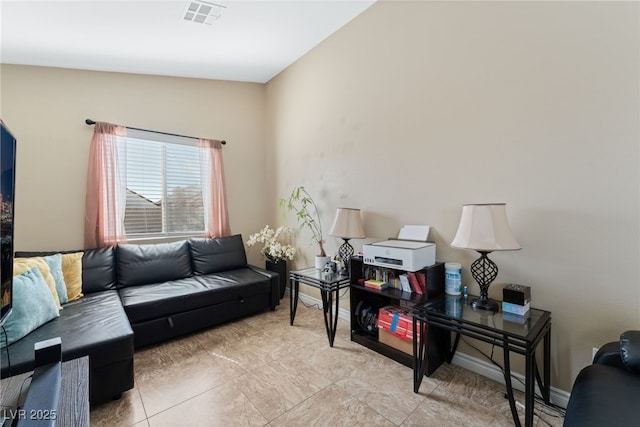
x=163, y=185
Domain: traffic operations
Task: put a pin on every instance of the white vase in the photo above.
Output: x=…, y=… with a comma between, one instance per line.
x=321, y=261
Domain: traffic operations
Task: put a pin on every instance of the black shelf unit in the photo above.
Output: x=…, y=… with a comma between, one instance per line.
x=438, y=340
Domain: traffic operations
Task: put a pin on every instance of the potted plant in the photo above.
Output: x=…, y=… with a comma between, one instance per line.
x=306, y=210
x=275, y=252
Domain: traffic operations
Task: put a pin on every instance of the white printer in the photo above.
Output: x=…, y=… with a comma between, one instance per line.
x=409, y=252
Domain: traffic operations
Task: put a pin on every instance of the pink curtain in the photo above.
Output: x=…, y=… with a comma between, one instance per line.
x=106, y=190
x=214, y=189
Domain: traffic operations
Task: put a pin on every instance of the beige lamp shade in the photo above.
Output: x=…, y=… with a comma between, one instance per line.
x=484, y=227
x=347, y=224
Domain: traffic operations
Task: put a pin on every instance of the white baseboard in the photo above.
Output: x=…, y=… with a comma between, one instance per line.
x=479, y=366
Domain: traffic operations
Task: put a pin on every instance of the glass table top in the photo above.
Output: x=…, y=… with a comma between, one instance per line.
x=458, y=308
x=319, y=275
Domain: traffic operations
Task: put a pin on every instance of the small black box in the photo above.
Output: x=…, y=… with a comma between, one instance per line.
x=516, y=294
x=48, y=351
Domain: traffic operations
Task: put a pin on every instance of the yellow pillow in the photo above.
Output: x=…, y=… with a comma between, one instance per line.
x=72, y=272
x=20, y=265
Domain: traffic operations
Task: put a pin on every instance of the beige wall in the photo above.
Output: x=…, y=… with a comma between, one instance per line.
x=46, y=107
x=415, y=108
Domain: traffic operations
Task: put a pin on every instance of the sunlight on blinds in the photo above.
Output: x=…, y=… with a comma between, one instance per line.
x=164, y=192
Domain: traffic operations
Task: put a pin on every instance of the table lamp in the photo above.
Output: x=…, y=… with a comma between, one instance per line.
x=347, y=225
x=484, y=228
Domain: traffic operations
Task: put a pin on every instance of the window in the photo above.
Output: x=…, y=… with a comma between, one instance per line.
x=163, y=185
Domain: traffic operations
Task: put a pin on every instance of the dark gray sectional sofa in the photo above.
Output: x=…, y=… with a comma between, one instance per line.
x=136, y=295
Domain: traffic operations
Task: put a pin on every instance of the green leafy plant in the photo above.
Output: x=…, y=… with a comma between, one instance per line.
x=306, y=211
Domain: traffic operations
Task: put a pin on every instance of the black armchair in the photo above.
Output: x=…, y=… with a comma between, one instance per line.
x=607, y=392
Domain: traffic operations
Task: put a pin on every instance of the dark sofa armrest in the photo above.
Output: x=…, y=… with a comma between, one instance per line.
x=623, y=354
x=274, y=281
x=609, y=354
x=630, y=350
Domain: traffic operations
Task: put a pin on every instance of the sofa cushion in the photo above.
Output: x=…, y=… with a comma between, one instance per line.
x=95, y=325
x=154, y=263
x=157, y=300
x=72, y=271
x=235, y=284
x=55, y=265
x=99, y=270
x=32, y=306
x=217, y=254
x=21, y=265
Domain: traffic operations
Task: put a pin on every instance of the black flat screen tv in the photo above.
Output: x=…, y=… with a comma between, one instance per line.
x=44, y=390
x=7, y=192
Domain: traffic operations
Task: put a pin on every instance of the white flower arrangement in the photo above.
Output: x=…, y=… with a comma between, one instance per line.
x=272, y=249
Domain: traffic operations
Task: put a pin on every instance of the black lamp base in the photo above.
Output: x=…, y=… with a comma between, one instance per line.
x=484, y=304
x=484, y=271
x=346, y=252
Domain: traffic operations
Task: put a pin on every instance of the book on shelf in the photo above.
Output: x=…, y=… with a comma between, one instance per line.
x=383, y=274
x=413, y=281
x=422, y=281
x=392, y=279
x=375, y=284
x=404, y=283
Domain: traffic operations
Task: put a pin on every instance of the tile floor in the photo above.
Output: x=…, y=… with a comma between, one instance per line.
x=259, y=371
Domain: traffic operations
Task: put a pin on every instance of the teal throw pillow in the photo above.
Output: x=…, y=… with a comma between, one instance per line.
x=32, y=306
x=55, y=265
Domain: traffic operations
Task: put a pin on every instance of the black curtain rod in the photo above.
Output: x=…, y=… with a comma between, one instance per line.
x=92, y=122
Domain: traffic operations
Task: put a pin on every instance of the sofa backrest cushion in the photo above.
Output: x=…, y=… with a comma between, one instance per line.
x=217, y=254
x=98, y=267
x=154, y=263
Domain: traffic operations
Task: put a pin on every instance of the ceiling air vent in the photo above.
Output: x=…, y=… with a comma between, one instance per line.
x=202, y=12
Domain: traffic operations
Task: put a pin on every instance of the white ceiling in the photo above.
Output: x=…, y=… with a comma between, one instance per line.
x=251, y=40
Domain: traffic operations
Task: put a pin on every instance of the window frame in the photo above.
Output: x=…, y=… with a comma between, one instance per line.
x=163, y=141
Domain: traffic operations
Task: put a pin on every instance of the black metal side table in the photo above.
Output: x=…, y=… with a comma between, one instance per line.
x=514, y=334
x=329, y=285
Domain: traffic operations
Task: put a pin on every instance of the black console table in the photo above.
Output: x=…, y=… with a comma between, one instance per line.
x=514, y=334
x=73, y=406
